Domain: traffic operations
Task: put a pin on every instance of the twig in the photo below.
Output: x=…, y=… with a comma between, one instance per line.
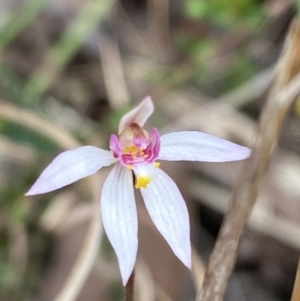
x=245, y=193
x=296, y=292
x=261, y=220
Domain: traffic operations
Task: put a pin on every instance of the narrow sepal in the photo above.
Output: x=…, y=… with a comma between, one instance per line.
x=197, y=146
x=119, y=217
x=70, y=166
x=168, y=211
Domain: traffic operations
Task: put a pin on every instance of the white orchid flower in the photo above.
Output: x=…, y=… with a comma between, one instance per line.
x=136, y=152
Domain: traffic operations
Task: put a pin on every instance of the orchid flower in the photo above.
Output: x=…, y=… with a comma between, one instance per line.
x=135, y=154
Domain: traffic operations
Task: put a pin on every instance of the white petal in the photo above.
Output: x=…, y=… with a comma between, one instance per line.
x=70, y=166
x=168, y=211
x=197, y=146
x=120, y=217
x=139, y=114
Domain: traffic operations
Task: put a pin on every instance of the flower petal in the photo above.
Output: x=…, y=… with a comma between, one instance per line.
x=139, y=114
x=120, y=217
x=197, y=146
x=168, y=211
x=70, y=166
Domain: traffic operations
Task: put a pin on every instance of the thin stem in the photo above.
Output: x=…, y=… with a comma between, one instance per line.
x=129, y=289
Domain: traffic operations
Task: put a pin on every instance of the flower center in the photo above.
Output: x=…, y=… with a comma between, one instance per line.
x=134, y=151
x=135, y=145
x=138, y=150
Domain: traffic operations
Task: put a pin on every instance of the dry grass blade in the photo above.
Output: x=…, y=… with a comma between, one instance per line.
x=198, y=269
x=19, y=246
x=134, y=39
x=296, y=292
x=245, y=193
x=66, y=48
x=144, y=282
x=25, y=15
x=113, y=73
x=35, y=123
x=162, y=294
x=78, y=215
x=85, y=261
x=159, y=27
x=16, y=152
x=250, y=90
x=57, y=212
x=90, y=247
